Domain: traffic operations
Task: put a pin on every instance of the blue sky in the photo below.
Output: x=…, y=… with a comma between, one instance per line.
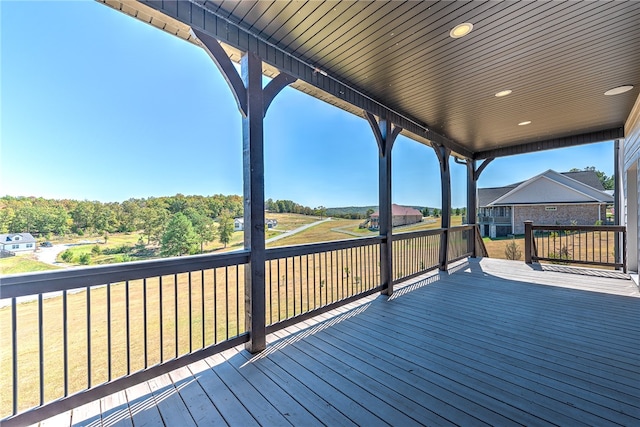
x=96, y=105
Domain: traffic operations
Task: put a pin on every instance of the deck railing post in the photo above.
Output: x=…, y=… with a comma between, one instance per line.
x=528, y=241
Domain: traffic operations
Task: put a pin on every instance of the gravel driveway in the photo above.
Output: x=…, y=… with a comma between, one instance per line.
x=49, y=255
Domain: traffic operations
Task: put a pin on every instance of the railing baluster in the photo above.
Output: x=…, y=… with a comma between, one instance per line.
x=237, y=300
x=14, y=351
x=315, y=304
x=109, y=331
x=175, y=313
x=215, y=305
x=279, y=289
x=88, y=337
x=128, y=326
x=307, y=266
x=161, y=317
x=202, y=312
x=65, y=343
x=190, y=317
x=286, y=287
x=144, y=322
x=226, y=292
x=41, y=347
x=293, y=284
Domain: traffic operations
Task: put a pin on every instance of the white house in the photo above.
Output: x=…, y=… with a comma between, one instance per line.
x=17, y=242
x=238, y=223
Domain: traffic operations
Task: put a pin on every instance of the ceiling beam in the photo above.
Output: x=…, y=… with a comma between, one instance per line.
x=550, y=144
x=199, y=15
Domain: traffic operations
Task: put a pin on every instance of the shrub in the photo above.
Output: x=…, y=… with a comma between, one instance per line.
x=122, y=258
x=95, y=250
x=512, y=251
x=67, y=256
x=85, y=259
x=561, y=256
x=122, y=249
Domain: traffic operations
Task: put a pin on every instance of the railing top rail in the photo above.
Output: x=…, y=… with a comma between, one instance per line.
x=462, y=227
x=414, y=234
x=313, y=248
x=619, y=228
x=18, y=285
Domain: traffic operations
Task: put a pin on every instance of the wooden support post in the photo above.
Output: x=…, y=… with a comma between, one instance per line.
x=528, y=242
x=386, y=134
x=472, y=200
x=617, y=200
x=253, y=102
x=253, y=172
x=443, y=154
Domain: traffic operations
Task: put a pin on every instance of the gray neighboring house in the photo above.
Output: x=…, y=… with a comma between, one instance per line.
x=17, y=242
x=548, y=198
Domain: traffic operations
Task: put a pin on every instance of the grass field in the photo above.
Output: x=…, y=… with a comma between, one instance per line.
x=227, y=313
x=319, y=233
x=581, y=246
x=294, y=285
x=23, y=264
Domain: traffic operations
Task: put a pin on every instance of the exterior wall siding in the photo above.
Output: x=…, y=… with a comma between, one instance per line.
x=406, y=219
x=632, y=138
x=582, y=214
x=21, y=247
x=631, y=170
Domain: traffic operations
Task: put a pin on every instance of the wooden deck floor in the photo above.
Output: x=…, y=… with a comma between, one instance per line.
x=492, y=342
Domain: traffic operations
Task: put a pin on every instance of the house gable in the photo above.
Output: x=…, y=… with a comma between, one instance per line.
x=552, y=187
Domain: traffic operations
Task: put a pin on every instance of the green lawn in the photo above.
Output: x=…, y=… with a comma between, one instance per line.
x=23, y=264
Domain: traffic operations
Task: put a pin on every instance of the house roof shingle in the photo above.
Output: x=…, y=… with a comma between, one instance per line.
x=24, y=238
x=488, y=195
x=397, y=210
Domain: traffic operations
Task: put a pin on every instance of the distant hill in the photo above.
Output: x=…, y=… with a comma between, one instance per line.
x=359, y=210
x=349, y=210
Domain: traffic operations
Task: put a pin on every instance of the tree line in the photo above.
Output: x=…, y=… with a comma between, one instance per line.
x=48, y=217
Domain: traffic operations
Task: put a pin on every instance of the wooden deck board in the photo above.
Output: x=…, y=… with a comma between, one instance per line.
x=489, y=343
x=142, y=405
x=198, y=403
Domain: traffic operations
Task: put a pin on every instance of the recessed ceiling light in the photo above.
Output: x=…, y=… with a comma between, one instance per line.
x=461, y=30
x=503, y=93
x=526, y=122
x=619, y=89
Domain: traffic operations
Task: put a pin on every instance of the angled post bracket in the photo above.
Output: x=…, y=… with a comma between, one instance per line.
x=274, y=87
x=483, y=165
x=226, y=67
x=253, y=101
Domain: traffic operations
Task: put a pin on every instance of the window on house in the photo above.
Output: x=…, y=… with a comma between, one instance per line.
x=29, y=245
x=15, y=246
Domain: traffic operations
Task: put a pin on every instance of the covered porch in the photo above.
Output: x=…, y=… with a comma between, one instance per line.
x=491, y=342
x=382, y=330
